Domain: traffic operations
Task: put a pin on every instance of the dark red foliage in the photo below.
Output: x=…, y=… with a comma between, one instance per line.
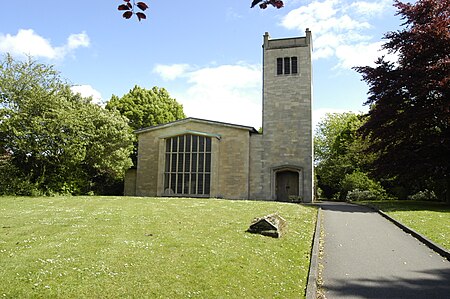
x=141, y=16
x=142, y=5
x=265, y=3
x=123, y=7
x=278, y=4
x=254, y=3
x=129, y=7
x=127, y=14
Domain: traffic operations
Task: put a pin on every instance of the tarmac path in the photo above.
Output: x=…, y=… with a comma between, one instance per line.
x=367, y=256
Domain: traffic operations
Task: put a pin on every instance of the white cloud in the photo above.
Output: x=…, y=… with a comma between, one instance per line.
x=358, y=55
x=228, y=93
x=28, y=42
x=366, y=8
x=227, y=76
x=362, y=54
x=339, y=29
x=171, y=72
x=88, y=91
x=78, y=40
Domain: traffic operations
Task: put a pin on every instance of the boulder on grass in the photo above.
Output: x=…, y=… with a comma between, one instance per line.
x=272, y=225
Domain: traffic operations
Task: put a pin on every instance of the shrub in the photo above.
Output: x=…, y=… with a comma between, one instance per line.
x=360, y=195
x=295, y=198
x=15, y=183
x=423, y=196
x=359, y=182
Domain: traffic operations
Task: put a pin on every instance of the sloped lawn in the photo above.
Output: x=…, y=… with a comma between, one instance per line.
x=431, y=219
x=107, y=247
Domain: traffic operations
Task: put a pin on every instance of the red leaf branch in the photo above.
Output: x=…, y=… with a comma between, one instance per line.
x=130, y=9
x=264, y=3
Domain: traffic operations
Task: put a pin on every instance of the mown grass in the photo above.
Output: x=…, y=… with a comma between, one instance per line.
x=431, y=219
x=108, y=247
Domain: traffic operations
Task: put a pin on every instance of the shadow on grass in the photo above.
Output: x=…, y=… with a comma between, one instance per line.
x=344, y=207
x=435, y=285
x=408, y=205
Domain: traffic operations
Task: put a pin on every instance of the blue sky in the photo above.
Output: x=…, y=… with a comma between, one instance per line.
x=207, y=54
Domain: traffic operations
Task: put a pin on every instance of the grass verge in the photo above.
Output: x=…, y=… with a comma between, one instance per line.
x=431, y=219
x=91, y=247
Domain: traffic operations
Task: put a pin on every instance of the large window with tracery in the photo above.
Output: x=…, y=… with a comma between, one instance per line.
x=188, y=165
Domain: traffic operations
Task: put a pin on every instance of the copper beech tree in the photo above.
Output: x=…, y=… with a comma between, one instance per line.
x=409, y=118
x=131, y=8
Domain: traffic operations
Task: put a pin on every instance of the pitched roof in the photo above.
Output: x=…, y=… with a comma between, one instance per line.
x=199, y=120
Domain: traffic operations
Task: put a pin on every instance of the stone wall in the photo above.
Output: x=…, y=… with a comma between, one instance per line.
x=256, y=181
x=130, y=182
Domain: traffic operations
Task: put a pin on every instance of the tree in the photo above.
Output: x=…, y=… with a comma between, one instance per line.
x=334, y=134
x=55, y=141
x=146, y=107
x=338, y=151
x=409, y=118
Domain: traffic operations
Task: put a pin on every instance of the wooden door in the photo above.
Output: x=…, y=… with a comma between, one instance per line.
x=286, y=185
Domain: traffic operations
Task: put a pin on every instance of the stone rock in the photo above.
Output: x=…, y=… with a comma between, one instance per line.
x=272, y=225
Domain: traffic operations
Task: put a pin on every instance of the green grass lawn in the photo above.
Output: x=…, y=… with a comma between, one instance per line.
x=431, y=219
x=105, y=247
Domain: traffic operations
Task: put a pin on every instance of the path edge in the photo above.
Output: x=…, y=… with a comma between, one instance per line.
x=437, y=248
x=311, y=285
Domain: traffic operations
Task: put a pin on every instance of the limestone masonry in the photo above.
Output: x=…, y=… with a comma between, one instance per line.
x=203, y=158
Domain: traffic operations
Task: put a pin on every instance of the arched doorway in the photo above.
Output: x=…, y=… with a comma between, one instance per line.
x=286, y=184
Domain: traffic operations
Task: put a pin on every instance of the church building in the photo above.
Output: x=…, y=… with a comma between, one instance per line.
x=204, y=158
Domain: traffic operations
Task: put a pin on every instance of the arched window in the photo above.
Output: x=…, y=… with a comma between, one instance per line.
x=188, y=166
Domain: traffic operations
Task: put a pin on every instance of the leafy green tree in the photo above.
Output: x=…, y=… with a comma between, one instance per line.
x=145, y=108
x=334, y=134
x=52, y=139
x=338, y=151
x=409, y=117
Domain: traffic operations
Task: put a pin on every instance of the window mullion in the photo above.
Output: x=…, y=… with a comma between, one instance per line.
x=204, y=166
x=190, y=161
x=183, y=150
x=177, y=141
x=171, y=161
x=197, y=168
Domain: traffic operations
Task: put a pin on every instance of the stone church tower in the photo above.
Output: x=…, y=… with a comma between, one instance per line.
x=281, y=158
